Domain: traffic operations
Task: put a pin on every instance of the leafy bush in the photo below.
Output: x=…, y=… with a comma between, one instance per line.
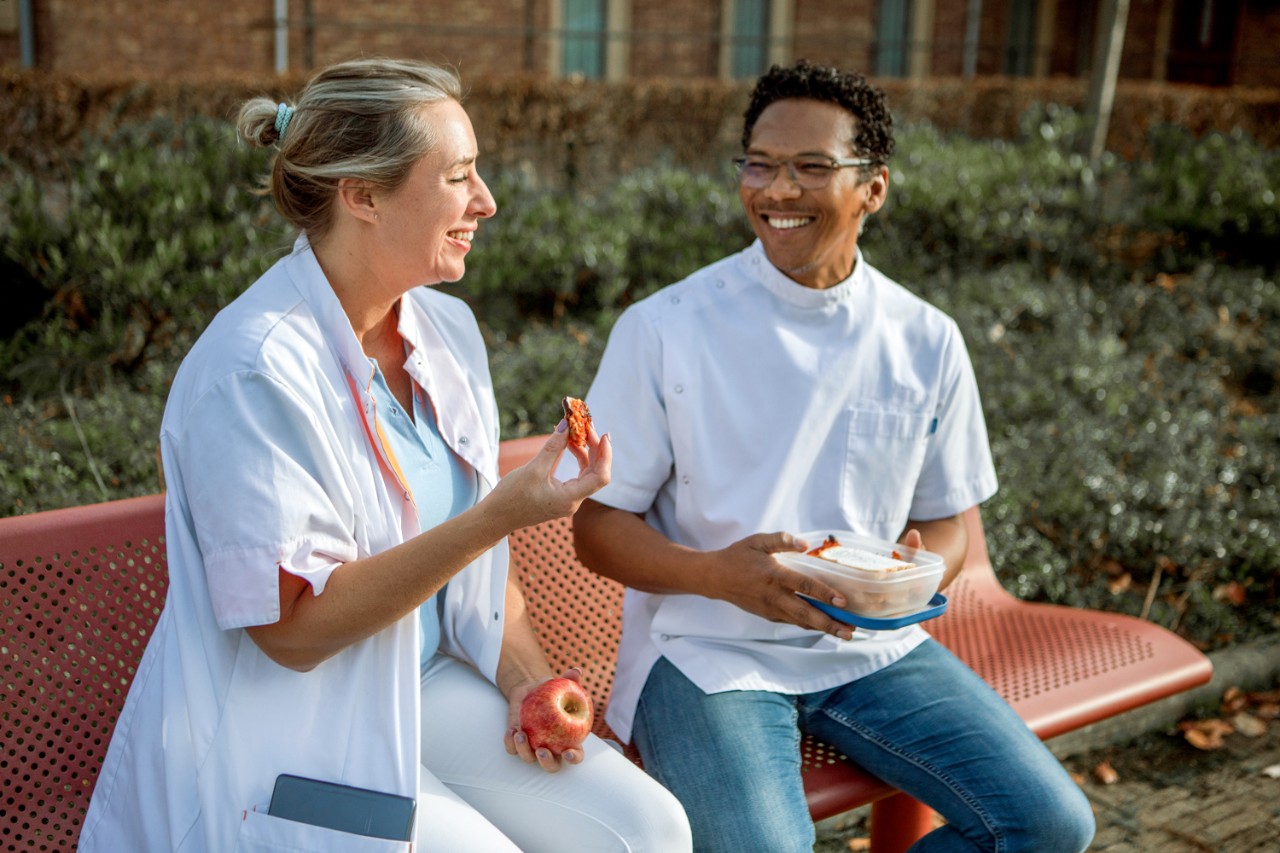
x=1129, y=457
x=156, y=229
x=68, y=450
x=1125, y=328
x=959, y=202
x=1220, y=194
x=551, y=255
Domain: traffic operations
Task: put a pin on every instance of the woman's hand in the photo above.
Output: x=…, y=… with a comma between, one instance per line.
x=531, y=494
x=517, y=742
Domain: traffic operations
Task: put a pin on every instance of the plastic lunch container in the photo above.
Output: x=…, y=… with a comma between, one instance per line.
x=888, y=594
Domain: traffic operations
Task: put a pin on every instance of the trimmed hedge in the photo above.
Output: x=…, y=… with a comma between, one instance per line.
x=1125, y=327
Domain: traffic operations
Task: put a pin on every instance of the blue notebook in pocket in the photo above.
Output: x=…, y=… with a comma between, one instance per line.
x=356, y=810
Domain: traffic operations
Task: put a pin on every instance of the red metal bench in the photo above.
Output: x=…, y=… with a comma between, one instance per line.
x=81, y=588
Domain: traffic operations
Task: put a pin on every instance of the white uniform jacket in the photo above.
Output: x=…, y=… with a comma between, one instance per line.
x=741, y=402
x=272, y=460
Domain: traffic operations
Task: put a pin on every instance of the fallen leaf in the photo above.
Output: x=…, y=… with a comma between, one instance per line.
x=1273, y=771
x=1248, y=725
x=1205, y=734
x=1267, y=711
x=1106, y=774
x=859, y=844
x=1120, y=584
x=1231, y=592
x=1234, y=700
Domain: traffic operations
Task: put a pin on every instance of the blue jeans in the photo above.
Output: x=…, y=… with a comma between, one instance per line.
x=926, y=724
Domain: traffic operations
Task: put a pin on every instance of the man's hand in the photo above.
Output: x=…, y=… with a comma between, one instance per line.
x=750, y=578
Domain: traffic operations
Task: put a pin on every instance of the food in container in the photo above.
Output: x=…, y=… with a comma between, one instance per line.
x=878, y=579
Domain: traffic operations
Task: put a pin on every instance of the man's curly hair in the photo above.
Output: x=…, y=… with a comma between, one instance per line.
x=873, y=124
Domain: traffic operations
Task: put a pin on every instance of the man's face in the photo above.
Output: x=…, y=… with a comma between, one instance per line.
x=811, y=235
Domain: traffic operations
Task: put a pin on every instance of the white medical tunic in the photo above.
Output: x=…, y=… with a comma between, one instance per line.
x=741, y=402
x=272, y=460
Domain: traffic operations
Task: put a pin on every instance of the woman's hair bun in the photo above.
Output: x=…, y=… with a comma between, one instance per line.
x=257, y=122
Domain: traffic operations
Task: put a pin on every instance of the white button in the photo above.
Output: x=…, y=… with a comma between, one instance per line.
x=675, y=300
x=462, y=440
x=679, y=389
x=685, y=479
x=719, y=282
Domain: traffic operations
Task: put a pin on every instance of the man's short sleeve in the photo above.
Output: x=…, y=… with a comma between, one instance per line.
x=958, y=471
x=265, y=490
x=625, y=400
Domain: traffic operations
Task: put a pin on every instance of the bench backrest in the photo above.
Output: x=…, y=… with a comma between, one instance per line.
x=80, y=591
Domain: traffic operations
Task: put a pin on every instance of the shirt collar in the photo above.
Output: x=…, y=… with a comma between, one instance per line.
x=309, y=278
x=431, y=361
x=756, y=265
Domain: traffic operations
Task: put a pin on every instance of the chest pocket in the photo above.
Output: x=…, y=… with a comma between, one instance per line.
x=882, y=462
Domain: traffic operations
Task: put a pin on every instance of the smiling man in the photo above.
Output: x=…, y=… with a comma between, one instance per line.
x=793, y=387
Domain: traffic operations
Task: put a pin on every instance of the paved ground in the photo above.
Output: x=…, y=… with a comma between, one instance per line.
x=1167, y=797
x=1171, y=797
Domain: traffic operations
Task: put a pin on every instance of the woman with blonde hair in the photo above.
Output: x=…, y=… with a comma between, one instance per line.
x=339, y=608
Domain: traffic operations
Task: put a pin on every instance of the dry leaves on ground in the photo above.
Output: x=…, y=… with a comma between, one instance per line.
x=1243, y=713
x=1106, y=774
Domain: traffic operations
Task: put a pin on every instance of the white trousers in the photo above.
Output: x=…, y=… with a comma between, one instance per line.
x=476, y=797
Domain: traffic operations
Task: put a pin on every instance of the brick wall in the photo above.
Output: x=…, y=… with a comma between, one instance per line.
x=837, y=32
x=673, y=38
x=1257, y=54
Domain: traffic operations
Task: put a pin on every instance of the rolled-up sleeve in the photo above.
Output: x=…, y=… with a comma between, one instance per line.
x=266, y=492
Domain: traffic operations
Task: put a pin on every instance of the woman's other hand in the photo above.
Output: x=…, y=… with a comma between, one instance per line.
x=531, y=494
x=517, y=742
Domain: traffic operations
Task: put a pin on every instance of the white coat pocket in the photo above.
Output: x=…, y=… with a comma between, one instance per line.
x=884, y=456
x=262, y=833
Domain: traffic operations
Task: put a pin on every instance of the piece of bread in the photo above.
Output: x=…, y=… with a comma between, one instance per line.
x=857, y=558
x=579, y=418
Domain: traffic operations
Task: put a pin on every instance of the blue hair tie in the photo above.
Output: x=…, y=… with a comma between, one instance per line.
x=284, y=113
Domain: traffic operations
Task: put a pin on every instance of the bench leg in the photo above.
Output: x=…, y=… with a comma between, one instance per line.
x=897, y=822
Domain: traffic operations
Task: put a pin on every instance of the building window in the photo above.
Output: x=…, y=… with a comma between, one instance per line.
x=748, y=38
x=893, y=38
x=1020, y=55
x=585, y=38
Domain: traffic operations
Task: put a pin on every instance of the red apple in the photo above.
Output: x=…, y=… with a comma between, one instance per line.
x=556, y=714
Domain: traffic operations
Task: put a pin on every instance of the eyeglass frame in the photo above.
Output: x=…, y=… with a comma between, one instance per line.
x=834, y=163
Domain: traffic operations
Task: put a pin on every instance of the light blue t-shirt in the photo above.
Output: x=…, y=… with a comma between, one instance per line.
x=442, y=484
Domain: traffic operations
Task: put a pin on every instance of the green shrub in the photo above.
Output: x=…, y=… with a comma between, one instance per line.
x=155, y=230
x=1119, y=454
x=532, y=372
x=956, y=202
x=1219, y=194
x=68, y=450
x=1125, y=328
x=544, y=255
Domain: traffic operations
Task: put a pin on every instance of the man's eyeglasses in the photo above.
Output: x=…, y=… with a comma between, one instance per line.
x=809, y=173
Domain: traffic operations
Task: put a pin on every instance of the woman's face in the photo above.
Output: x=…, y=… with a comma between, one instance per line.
x=427, y=224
